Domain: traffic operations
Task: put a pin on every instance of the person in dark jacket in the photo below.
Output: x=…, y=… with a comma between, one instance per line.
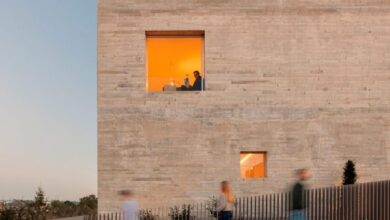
x=298, y=200
x=198, y=83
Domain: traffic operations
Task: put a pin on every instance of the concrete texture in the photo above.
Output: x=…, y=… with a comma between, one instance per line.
x=306, y=81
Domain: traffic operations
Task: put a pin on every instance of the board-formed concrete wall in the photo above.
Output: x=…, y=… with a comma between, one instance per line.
x=308, y=81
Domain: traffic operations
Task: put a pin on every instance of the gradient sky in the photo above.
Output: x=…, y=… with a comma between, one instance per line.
x=48, y=98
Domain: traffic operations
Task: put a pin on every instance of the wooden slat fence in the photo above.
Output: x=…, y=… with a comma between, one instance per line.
x=365, y=201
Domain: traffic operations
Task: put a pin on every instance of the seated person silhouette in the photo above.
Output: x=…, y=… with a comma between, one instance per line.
x=197, y=86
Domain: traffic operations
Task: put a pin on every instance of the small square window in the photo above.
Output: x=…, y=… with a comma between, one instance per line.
x=174, y=61
x=252, y=164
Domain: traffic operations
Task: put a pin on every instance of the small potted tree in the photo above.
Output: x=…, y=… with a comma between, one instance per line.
x=349, y=175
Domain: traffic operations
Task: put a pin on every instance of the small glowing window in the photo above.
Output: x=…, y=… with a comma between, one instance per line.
x=252, y=164
x=174, y=61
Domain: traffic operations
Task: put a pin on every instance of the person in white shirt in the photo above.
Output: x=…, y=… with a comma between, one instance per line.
x=130, y=207
x=225, y=202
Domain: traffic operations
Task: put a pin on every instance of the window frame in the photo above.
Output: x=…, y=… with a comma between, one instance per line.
x=175, y=34
x=265, y=153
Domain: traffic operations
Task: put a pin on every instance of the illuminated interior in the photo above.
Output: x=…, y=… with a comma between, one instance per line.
x=171, y=58
x=252, y=164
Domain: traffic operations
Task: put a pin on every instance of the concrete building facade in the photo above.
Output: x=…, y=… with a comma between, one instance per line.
x=307, y=82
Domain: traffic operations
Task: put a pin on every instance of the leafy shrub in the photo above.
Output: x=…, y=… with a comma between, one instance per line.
x=349, y=176
x=183, y=213
x=211, y=206
x=147, y=215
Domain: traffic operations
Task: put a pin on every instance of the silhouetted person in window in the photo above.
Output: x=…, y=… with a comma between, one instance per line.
x=298, y=201
x=198, y=81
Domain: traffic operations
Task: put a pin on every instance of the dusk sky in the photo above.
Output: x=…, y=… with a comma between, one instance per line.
x=48, y=98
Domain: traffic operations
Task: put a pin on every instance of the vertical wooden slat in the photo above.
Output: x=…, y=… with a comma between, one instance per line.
x=255, y=207
x=312, y=194
x=321, y=203
x=269, y=206
x=289, y=202
x=266, y=212
x=286, y=206
x=259, y=206
x=246, y=208
x=324, y=203
x=275, y=205
x=371, y=201
x=306, y=196
x=197, y=210
x=384, y=200
x=381, y=194
x=239, y=208
x=329, y=203
x=346, y=203
x=387, y=203
x=377, y=205
x=318, y=203
x=364, y=198
x=235, y=209
x=274, y=199
x=387, y=200
x=282, y=208
x=315, y=203
x=336, y=195
x=368, y=202
x=374, y=203
x=377, y=196
x=277, y=213
x=359, y=202
x=353, y=202
x=350, y=202
x=251, y=207
x=272, y=210
x=380, y=200
x=364, y=201
x=262, y=207
x=334, y=205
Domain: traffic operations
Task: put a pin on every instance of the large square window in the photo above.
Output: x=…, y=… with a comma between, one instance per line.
x=252, y=164
x=174, y=61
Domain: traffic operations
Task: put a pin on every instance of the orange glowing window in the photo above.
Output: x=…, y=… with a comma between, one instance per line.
x=172, y=57
x=252, y=164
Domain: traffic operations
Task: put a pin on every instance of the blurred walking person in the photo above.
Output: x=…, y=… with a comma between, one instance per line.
x=130, y=207
x=225, y=202
x=298, y=201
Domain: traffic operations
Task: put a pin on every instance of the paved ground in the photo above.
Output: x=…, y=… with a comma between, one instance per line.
x=72, y=218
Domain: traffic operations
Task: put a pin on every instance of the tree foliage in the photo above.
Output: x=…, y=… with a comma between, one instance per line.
x=349, y=175
x=41, y=209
